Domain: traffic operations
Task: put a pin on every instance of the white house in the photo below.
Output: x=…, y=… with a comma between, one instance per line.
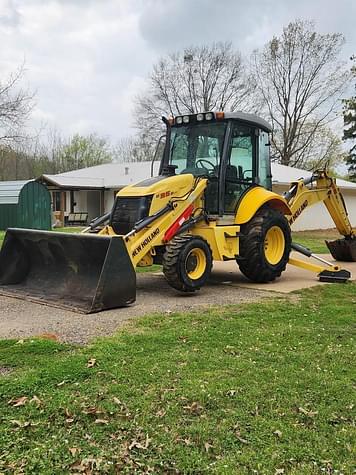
x=93, y=190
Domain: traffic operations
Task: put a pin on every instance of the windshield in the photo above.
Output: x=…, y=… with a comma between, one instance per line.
x=197, y=149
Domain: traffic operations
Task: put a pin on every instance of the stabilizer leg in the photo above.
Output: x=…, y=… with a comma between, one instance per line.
x=332, y=273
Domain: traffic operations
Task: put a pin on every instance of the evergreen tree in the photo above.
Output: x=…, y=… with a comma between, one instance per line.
x=350, y=127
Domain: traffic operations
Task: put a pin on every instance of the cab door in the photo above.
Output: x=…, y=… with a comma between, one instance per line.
x=240, y=165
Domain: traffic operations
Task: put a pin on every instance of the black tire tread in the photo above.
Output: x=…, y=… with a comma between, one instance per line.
x=171, y=261
x=252, y=262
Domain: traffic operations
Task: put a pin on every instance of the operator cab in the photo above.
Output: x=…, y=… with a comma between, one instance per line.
x=231, y=149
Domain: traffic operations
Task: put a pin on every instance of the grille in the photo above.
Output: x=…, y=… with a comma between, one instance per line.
x=127, y=211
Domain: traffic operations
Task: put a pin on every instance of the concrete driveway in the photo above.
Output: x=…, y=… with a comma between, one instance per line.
x=294, y=278
x=20, y=319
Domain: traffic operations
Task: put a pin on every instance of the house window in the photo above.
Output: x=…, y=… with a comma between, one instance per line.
x=57, y=201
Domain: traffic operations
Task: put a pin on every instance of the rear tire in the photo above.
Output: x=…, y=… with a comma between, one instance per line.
x=265, y=246
x=187, y=263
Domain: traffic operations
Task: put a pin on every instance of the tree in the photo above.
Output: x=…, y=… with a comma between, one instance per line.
x=82, y=152
x=324, y=151
x=137, y=149
x=349, y=113
x=300, y=80
x=16, y=104
x=198, y=79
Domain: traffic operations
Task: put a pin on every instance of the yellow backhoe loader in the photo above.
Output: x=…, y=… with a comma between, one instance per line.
x=212, y=200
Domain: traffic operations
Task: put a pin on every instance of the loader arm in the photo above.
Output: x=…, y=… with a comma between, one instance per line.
x=160, y=227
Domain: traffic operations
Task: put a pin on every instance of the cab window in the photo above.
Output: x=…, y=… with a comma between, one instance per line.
x=240, y=166
x=197, y=148
x=264, y=165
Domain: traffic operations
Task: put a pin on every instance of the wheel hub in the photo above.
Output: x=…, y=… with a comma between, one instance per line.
x=274, y=245
x=195, y=263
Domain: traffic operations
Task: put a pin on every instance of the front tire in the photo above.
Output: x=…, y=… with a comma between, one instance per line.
x=265, y=245
x=187, y=263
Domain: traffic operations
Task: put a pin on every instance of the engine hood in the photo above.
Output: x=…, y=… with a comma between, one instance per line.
x=170, y=185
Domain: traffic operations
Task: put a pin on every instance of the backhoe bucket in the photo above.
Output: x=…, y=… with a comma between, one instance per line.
x=86, y=273
x=343, y=249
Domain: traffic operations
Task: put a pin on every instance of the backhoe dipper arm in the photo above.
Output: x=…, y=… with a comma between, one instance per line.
x=323, y=188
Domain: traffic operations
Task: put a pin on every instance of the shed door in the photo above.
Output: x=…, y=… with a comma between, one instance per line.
x=34, y=208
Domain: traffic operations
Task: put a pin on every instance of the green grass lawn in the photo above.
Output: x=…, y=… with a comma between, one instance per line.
x=315, y=240
x=265, y=388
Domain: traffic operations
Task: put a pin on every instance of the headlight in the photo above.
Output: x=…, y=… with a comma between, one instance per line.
x=200, y=117
x=179, y=120
x=186, y=119
x=209, y=116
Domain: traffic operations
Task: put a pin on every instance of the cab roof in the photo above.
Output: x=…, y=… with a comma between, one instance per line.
x=250, y=118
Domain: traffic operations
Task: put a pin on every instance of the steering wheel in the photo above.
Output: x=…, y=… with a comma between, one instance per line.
x=247, y=178
x=203, y=160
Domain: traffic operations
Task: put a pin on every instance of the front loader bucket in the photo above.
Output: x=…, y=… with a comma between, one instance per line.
x=86, y=273
x=343, y=249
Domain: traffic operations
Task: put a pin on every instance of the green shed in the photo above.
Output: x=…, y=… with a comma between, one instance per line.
x=24, y=204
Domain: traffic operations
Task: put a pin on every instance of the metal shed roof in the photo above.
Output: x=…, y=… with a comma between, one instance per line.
x=10, y=191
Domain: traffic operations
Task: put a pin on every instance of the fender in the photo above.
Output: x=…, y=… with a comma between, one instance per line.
x=256, y=197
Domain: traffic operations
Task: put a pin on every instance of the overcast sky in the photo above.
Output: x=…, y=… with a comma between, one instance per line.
x=88, y=59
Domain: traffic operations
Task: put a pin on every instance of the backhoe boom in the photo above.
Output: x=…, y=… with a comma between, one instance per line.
x=320, y=187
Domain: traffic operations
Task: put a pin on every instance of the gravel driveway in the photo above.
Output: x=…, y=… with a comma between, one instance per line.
x=20, y=319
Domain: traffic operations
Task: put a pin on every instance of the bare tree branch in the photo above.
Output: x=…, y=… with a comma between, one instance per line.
x=197, y=79
x=301, y=80
x=16, y=105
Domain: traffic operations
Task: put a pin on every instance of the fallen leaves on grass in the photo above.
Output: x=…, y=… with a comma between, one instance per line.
x=135, y=444
x=161, y=413
x=74, y=451
x=23, y=424
x=307, y=413
x=86, y=466
x=237, y=433
x=207, y=447
x=69, y=416
x=195, y=409
x=23, y=400
x=36, y=400
x=232, y=392
x=101, y=421
x=231, y=350
x=185, y=441
x=183, y=339
x=91, y=363
x=92, y=411
x=17, y=402
x=124, y=411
